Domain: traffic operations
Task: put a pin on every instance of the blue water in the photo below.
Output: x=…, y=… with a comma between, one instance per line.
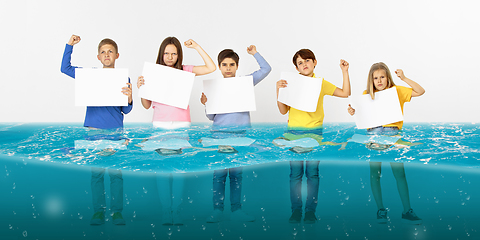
x=46, y=192
x=439, y=144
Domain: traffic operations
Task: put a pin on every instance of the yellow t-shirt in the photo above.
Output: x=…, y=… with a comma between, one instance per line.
x=404, y=95
x=298, y=119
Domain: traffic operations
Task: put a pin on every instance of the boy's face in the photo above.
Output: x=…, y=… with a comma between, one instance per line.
x=107, y=55
x=228, y=67
x=306, y=66
x=170, y=56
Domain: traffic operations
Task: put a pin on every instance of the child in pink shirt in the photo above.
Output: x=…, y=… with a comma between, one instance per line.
x=165, y=116
x=171, y=55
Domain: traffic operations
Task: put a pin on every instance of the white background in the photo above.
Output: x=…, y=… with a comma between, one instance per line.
x=436, y=43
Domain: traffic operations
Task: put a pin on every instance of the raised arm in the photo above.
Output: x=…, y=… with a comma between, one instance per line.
x=209, y=65
x=283, y=108
x=265, y=68
x=67, y=67
x=417, y=89
x=345, y=90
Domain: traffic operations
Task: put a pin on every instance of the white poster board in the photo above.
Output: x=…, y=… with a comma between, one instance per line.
x=166, y=85
x=100, y=86
x=301, y=92
x=383, y=110
x=227, y=95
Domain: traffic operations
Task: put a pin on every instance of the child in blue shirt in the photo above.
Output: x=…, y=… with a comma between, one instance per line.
x=100, y=117
x=109, y=117
x=237, y=122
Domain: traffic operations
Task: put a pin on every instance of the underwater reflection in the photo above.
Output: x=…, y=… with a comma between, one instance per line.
x=105, y=144
x=303, y=141
x=381, y=139
x=170, y=185
x=227, y=139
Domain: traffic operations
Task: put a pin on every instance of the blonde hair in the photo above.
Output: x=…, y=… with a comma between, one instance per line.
x=370, y=85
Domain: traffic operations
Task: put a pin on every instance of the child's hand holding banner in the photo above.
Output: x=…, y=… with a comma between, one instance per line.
x=301, y=93
x=100, y=87
x=385, y=109
x=227, y=95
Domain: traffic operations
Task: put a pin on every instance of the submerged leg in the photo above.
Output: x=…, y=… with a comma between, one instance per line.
x=98, y=189
x=236, y=188
x=165, y=189
x=178, y=183
x=402, y=186
x=116, y=190
x=375, y=172
x=296, y=175
x=219, y=178
x=311, y=171
x=165, y=194
x=98, y=196
x=116, y=196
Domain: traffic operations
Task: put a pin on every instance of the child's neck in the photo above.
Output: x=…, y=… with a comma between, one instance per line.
x=309, y=75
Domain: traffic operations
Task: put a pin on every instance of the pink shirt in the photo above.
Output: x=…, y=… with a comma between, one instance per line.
x=167, y=113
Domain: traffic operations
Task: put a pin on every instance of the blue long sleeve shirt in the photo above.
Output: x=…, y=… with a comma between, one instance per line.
x=241, y=120
x=97, y=117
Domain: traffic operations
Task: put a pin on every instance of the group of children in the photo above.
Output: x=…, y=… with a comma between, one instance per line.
x=169, y=117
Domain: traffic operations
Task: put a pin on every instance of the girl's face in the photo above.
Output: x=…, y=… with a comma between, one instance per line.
x=380, y=79
x=170, y=56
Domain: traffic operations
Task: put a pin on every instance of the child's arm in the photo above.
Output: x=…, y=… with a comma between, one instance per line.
x=146, y=103
x=417, y=89
x=67, y=67
x=203, y=100
x=265, y=68
x=281, y=106
x=345, y=90
x=209, y=65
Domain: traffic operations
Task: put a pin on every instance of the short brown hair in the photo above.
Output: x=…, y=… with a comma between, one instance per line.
x=370, y=85
x=108, y=41
x=304, y=54
x=228, y=53
x=167, y=41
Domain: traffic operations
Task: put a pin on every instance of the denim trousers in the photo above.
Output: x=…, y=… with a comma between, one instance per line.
x=98, y=189
x=219, y=179
x=296, y=175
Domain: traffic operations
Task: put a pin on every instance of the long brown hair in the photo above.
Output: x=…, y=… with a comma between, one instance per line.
x=161, y=52
x=370, y=85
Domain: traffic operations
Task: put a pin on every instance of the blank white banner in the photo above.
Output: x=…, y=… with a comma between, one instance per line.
x=166, y=85
x=385, y=109
x=301, y=92
x=227, y=95
x=100, y=87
